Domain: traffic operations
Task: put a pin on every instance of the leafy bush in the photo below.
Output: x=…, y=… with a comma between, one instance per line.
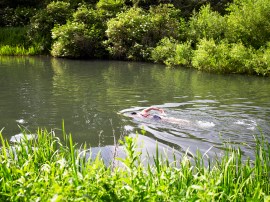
x=87, y=15
x=261, y=61
x=183, y=55
x=132, y=34
x=146, y=4
x=165, y=22
x=172, y=53
x=165, y=49
x=125, y=31
x=111, y=6
x=249, y=22
x=224, y=57
x=205, y=56
x=72, y=40
x=206, y=24
x=81, y=37
x=56, y=13
x=239, y=59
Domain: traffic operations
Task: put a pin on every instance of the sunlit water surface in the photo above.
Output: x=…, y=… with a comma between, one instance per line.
x=95, y=98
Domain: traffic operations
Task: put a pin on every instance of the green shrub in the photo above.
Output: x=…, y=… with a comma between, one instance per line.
x=125, y=31
x=111, y=6
x=239, y=59
x=81, y=37
x=248, y=21
x=165, y=49
x=56, y=13
x=90, y=17
x=74, y=40
x=165, y=22
x=224, y=57
x=206, y=24
x=132, y=34
x=261, y=61
x=146, y=4
x=205, y=56
x=172, y=53
x=183, y=55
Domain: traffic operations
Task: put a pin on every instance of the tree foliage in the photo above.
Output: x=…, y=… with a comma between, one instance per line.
x=81, y=37
x=56, y=13
x=203, y=34
x=248, y=22
x=190, y=6
x=16, y=17
x=133, y=33
x=206, y=24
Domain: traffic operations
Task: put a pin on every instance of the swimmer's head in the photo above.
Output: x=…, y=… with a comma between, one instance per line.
x=133, y=113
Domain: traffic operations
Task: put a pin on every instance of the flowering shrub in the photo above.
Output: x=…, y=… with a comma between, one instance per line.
x=132, y=34
x=81, y=37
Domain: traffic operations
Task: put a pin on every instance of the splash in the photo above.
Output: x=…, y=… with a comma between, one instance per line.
x=251, y=124
x=205, y=124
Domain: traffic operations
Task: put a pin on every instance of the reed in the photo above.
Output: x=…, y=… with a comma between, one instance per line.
x=18, y=50
x=47, y=168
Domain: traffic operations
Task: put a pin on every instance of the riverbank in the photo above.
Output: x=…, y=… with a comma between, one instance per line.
x=207, y=40
x=47, y=168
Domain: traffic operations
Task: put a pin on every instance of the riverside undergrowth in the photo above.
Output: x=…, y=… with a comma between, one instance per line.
x=49, y=169
x=13, y=41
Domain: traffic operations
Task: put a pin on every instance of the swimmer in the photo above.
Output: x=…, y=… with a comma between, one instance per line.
x=145, y=113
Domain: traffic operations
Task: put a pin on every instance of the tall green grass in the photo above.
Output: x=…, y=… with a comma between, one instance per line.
x=13, y=41
x=18, y=50
x=13, y=36
x=48, y=169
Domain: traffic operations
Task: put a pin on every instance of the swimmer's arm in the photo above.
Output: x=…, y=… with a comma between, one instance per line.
x=145, y=111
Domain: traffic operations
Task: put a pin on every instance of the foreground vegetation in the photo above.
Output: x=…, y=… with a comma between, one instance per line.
x=48, y=169
x=219, y=36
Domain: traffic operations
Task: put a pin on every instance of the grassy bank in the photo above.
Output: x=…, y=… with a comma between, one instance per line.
x=46, y=168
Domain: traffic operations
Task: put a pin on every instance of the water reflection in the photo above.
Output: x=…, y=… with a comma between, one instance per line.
x=93, y=98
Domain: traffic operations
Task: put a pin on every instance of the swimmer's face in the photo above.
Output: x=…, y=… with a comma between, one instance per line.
x=133, y=113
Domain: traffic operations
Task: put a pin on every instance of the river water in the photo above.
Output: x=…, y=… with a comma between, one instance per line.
x=95, y=98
